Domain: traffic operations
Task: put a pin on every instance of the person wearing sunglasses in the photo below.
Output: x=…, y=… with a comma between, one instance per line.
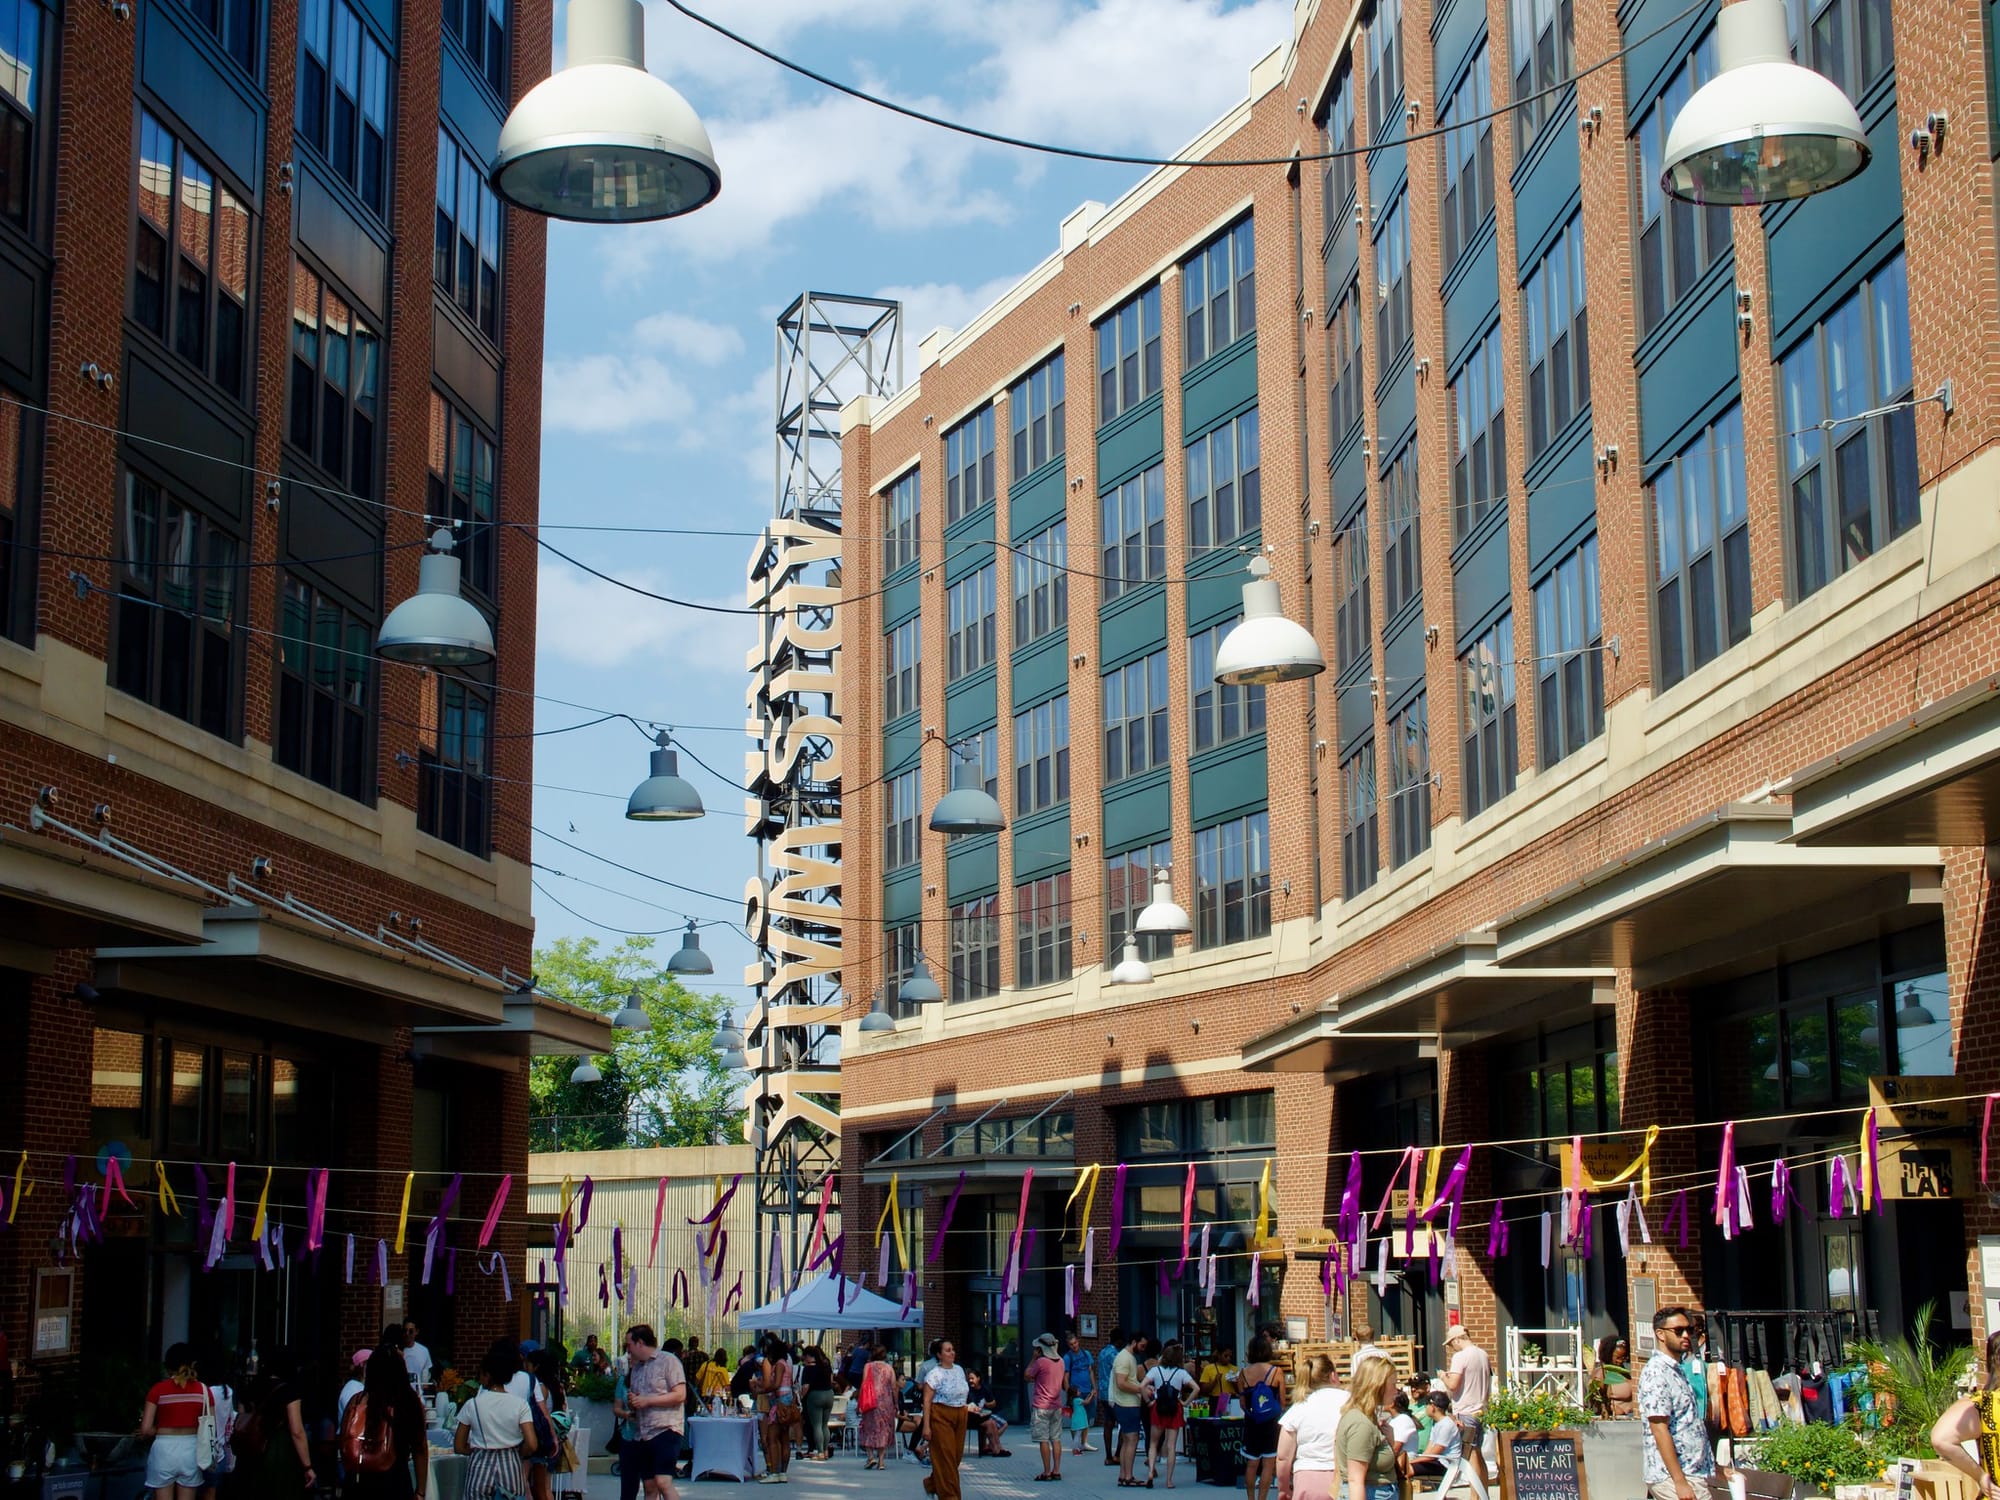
x=1679, y=1462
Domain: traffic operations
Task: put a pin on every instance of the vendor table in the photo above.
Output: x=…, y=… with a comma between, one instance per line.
x=447, y=1475
x=1216, y=1445
x=724, y=1445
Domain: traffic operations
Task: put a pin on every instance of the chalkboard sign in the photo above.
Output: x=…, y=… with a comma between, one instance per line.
x=1542, y=1466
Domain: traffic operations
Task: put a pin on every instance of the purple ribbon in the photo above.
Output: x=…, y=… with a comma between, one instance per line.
x=1781, y=1189
x=944, y=1221
x=909, y=1291
x=1496, y=1232
x=1348, y=1227
x=1452, y=1194
x=1678, y=1214
x=1837, y=1187
x=1117, y=1208
x=350, y=1260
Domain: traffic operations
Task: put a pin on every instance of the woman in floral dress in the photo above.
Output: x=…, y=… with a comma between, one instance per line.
x=878, y=1423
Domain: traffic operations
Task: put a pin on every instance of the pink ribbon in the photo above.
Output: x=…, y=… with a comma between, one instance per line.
x=114, y=1181
x=228, y=1213
x=1117, y=1208
x=944, y=1220
x=1348, y=1228
x=659, y=1208
x=1412, y=1161
x=1781, y=1186
x=316, y=1208
x=493, y=1210
x=1187, y=1218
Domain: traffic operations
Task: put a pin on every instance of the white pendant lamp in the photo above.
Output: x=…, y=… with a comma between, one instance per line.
x=920, y=988
x=1265, y=646
x=1764, y=129
x=586, y=1072
x=968, y=807
x=728, y=1038
x=690, y=959
x=437, y=626
x=1131, y=968
x=1163, y=913
x=604, y=141
x=665, y=796
x=633, y=1016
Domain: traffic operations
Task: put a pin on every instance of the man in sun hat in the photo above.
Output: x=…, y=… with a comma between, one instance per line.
x=1046, y=1377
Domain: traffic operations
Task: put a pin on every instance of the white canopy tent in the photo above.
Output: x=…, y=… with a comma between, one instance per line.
x=820, y=1303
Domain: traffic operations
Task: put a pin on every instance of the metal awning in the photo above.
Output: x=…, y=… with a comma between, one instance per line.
x=990, y=1170
x=56, y=894
x=1931, y=778
x=1457, y=992
x=273, y=963
x=1723, y=888
x=536, y=1025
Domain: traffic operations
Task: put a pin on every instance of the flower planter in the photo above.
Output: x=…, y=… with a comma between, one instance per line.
x=595, y=1417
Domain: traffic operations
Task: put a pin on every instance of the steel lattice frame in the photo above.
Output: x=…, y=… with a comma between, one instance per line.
x=830, y=349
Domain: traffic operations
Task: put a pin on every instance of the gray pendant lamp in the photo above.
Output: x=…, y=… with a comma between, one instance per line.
x=690, y=959
x=1163, y=913
x=437, y=626
x=727, y=1036
x=878, y=1017
x=665, y=796
x=968, y=807
x=920, y=988
x=1264, y=646
x=603, y=140
x=585, y=1072
x=733, y=1060
x=633, y=1016
x=1763, y=129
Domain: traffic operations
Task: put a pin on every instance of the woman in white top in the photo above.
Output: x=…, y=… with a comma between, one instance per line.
x=495, y=1430
x=1168, y=1388
x=1306, y=1462
x=946, y=1393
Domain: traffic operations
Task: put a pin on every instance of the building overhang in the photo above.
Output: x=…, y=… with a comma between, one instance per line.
x=988, y=1171
x=269, y=963
x=55, y=894
x=535, y=1025
x=1930, y=779
x=1710, y=893
x=1454, y=994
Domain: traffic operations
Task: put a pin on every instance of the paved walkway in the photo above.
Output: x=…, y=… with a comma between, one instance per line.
x=1011, y=1478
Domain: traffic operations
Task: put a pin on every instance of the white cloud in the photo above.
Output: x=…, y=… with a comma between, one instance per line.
x=587, y=622
x=695, y=339
x=943, y=304
x=612, y=395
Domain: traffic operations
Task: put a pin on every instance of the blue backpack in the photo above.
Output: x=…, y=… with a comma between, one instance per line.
x=1264, y=1405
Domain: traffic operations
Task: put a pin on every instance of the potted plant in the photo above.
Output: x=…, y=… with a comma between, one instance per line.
x=1611, y=1450
x=1913, y=1381
x=1817, y=1457
x=590, y=1400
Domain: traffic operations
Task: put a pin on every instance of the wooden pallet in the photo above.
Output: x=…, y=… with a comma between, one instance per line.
x=1402, y=1353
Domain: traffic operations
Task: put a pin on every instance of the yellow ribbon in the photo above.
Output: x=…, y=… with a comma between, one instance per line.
x=1264, y=1204
x=403, y=1218
x=1087, y=1178
x=263, y=1200
x=1643, y=1166
x=888, y=1206
x=1868, y=1183
x=169, y=1204
x=14, y=1203
x=1431, y=1165
x=568, y=1194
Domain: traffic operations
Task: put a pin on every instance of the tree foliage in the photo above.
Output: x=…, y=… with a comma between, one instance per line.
x=665, y=1086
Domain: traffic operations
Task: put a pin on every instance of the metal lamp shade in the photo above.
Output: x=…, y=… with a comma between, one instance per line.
x=1265, y=646
x=436, y=626
x=604, y=141
x=733, y=1060
x=690, y=959
x=1163, y=913
x=664, y=796
x=586, y=1072
x=920, y=988
x=633, y=1017
x=878, y=1019
x=1131, y=969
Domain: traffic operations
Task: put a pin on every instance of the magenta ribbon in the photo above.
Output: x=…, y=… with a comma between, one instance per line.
x=1496, y=1231
x=350, y=1260
x=1678, y=1214
x=1584, y=1231
x=316, y=1208
x=1573, y=1191
x=1837, y=1188
x=583, y=1205
x=229, y=1204
x=494, y=1209
x=1725, y=1181
x=1781, y=1188
x=659, y=1208
x=944, y=1220
x=1347, y=1228
x=618, y=1253
x=1985, y=1134
x=1117, y=1209
x=1187, y=1219
x=1452, y=1194
x=114, y=1181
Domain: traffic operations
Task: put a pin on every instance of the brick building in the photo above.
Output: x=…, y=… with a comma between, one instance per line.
x=264, y=897
x=1647, y=780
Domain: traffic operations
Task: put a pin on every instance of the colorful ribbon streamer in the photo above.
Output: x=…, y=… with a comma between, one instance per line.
x=402, y=1214
x=1348, y=1227
x=494, y=1210
x=1187, y=1218
x=1496, y=1231
x=1871, y=1163
x=1264, y=1204
x=14, y=1198
x=1725, y=1182
x=228, y=1211
x=316, y=1185
x=169, y=1204
x=1089, y=1245
x=114, y=1181
x=1985, y=1134
x=950, y=1208
x=1678, y=1214
x=1086, y=1184
x=258, y=1219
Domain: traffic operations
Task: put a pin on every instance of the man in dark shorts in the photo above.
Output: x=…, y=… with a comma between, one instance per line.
x=657, y=1393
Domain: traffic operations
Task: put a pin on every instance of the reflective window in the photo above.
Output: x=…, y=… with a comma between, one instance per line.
x=1219, y=294
x=1128, y=355
x=325, y=680
x=191, y=259
x=1491, y=748
x=1232, y=878
x=175, y=638
x=1701, y=539
x=1037, y=410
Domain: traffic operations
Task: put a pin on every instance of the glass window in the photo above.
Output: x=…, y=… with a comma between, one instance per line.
x=1224, y=484
x=301, y=1112
x=1701, y=539
x=1128, y=885
x=454, y=786
x=335, y=389
x=969, y=615
x=1343, y=336
x=1409, y=781
x=1492, y=756
x=1569, y=656
x=899, y=536
x=1677, y=240
x=1853, y=486
x=1360, y=848
x=22, y=23
x=1543, y=38
x=236, y=25
x=1392, y=280
x=176, y=643
x=1041, y=756
x=975, y=949
x=1037, y=409
x=1135, y=717
x=325, y=690
x=20, y=484
x=1467, y=188
x=1385, y=67
x=466, y=258
x=191, y=259
x=1232, y=877
x=1042, y=931
x=1402, y=527
x=1339, y=175
x=903, y=677
x=1133, y=526
x=1041, y=584
x=237, y=1113
x=343, y=97
x=1850, y=41
x=480, y=28
x=1558, y=339
x=1221, y=711
x=968, y=465
x=1352, y=628
x=464, y=468
x=1128, y=355
x=1219, y=294
x=1479, y=438
x=900, y=843
x=120, y=1106
x=187, y=1093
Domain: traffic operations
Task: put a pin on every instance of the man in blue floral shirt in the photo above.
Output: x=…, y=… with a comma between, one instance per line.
x=1679, y=1463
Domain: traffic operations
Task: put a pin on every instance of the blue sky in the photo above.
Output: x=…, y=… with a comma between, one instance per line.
x=657, y=398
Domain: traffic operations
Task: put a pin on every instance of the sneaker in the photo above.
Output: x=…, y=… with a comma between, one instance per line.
x=767, y=1477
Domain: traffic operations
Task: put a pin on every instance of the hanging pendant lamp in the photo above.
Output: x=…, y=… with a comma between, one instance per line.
x=690, y=959
x=437, y=626
x=920, y=988
x=1131, y=968
x=665, y=796
x=968, y=807
x=1163, y=913
x=1264, y=646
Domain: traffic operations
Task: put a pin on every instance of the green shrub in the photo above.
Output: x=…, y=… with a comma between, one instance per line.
x=590, y=1386
x=1519, y=1410
x=1816, y=1455
x=1913, y=1382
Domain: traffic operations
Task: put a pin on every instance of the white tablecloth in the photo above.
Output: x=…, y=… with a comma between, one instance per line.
x=724, y=1445
x=577, y=1482
x=447, y=1475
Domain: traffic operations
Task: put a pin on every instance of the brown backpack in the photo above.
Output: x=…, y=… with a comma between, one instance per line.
x=366, y=1449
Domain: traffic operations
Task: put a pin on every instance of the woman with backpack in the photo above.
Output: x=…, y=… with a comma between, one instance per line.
x=1261, y=1385
x=273, y=1456
x=382, y=1433
x=1168, y=1389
